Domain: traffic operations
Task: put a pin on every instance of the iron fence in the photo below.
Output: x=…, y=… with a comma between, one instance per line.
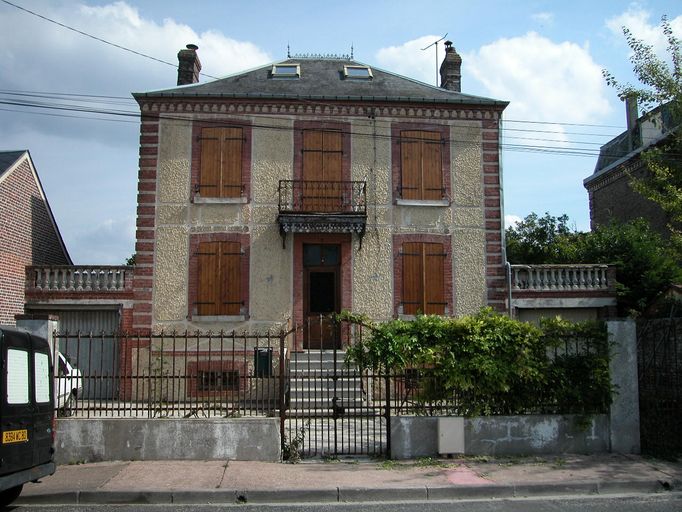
x=171, y=374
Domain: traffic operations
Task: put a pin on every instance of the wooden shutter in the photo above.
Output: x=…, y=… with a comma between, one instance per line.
x=232, y=143
x=230, y=276
x=420, y=165
x=434, y=279
x=209, y=175
x=322, y=170
x=432, y=172
x=208, y=291
x=410, y=164
x=412, y=298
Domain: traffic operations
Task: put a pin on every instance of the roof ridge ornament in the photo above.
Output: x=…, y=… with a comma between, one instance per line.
x=330, y=56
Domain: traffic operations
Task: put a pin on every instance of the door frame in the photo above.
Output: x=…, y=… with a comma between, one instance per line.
x=345, y=277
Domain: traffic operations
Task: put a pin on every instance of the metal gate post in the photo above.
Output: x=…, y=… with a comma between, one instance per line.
x=388, y=414
x=282, y=397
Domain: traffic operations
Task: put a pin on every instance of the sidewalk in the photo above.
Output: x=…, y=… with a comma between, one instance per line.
x=348, y=480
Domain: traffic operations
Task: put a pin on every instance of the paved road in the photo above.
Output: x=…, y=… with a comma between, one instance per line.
x=669, y=502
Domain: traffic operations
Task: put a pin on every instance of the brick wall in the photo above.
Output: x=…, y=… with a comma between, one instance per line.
x=27, y=237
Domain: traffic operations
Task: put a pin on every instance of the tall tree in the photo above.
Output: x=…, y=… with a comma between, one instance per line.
x=660, y=85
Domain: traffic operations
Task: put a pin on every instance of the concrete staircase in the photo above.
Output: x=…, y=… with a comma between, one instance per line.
x=315, y=383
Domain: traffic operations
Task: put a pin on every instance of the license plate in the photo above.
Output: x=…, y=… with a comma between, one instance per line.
x=15, y=436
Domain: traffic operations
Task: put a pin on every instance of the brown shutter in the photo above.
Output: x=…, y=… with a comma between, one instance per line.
x=232, y=144
x=434, y=279
x=208, y=292
x=412, y=278
x=312, y=170
x=410, y=164
x=432, y=172
x=230, y=276
x=209, y=178
x=332, y=169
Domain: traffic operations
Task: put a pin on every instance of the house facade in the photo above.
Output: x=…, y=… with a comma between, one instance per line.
x=609, y=187
x=28, y=231
x=315, y=185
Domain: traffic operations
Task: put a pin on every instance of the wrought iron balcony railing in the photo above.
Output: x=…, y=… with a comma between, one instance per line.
x=330, y=197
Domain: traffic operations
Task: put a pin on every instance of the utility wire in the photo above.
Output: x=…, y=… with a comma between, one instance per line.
x=120, y=47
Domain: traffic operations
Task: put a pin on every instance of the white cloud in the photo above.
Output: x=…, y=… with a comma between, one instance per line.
x=543, y=18
x=409, y=60
x=543, y=80
x=511, y=220
x=639, y=22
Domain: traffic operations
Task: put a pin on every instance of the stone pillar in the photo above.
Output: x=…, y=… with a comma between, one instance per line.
x=42, y=325
x=624, y=431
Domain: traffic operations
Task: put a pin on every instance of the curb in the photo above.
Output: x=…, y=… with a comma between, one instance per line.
x=350, y=495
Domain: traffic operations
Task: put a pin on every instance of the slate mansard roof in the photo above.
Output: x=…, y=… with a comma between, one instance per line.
x=321, y=79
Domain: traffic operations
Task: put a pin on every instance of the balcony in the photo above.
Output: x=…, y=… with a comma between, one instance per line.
x=322, y=207
x=77, y=280
x=563, y=278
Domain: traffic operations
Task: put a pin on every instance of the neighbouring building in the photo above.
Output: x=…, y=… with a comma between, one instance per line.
x=28, y=232
x=609, y=187
x=313, y=185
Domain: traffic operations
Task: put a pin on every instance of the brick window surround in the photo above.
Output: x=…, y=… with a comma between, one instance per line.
x=193, y=288
x=396, y=172
x=197, y=127
x=398, y=241
x=300, y=126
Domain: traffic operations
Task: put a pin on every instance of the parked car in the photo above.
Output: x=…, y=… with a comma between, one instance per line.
x=27, y=420
x=69, y=385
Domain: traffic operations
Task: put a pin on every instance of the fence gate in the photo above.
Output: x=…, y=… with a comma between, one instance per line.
x=334, y=409
x=659, y=356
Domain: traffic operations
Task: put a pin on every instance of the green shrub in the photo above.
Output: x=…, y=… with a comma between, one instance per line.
x=490, y=364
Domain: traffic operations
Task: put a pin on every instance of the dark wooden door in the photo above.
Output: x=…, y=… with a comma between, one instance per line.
x=321, y=296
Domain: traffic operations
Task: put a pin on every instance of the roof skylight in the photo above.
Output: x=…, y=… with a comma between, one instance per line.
x=286, y=71
x=357, y=72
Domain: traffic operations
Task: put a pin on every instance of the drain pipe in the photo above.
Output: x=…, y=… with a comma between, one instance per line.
x=511, y=309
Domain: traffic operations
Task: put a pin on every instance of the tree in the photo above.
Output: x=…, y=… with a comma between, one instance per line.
x=645, y=263
x=537, y=240
x=660, y=84
x=130, y=261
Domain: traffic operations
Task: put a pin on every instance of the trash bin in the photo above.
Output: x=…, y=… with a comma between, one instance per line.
x=262, y=362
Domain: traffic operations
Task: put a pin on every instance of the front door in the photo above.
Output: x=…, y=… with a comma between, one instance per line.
x=321, y=297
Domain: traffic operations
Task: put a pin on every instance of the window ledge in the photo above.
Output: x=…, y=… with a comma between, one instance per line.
x=219, y=318
x=422, y=202
x=220, y=200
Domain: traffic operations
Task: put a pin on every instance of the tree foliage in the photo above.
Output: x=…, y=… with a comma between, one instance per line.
x=660, y=83
x=645, y=263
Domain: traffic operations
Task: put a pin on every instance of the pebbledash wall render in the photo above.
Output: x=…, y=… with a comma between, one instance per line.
x=170, y=220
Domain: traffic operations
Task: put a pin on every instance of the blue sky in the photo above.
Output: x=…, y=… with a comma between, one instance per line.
x=545, y=57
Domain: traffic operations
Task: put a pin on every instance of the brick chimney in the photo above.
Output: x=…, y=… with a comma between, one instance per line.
x=189, y=65
x=450, y=69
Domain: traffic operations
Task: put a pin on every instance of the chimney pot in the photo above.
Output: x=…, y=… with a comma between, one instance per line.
x=451, y=69
x=189, y=65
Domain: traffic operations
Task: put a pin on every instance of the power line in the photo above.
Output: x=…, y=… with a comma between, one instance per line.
x=120, y=47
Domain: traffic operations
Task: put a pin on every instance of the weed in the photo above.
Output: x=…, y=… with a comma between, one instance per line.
x=559, y=463
x=292, y=448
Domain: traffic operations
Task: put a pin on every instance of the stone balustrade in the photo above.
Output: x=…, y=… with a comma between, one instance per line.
x=68, y=278
x=540, y=278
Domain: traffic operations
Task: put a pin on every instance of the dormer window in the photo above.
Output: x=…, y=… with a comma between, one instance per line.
x=357, y=72
x=286, y=71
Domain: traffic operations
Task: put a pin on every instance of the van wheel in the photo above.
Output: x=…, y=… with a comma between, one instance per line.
x=9, y=495
x=68, y=407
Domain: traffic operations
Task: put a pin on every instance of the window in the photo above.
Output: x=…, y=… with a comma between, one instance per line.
x=219, y=279
x=421, y=165
x=423, y=278
x=17, y=377
x=226, y=380
x=357, y=72
x=220, y=174
x=41, y=377
x=286, y=71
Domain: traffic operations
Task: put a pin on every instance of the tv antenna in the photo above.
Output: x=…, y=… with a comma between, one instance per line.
x=435, y=43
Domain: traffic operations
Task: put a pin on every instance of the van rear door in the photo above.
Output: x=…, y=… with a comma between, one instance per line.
x=25, y=402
